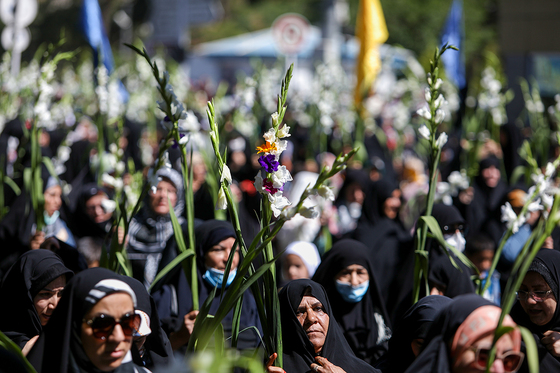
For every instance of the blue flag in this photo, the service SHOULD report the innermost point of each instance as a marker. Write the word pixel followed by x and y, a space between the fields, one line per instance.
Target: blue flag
pixel 453 34
pixel 92 25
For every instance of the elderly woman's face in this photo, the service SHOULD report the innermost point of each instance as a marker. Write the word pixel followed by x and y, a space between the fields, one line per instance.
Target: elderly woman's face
pixel 107 354
pixel 53 199
pixel 158 200
pixel 47 298
pixel 312 315
pixel 474 359
pixel 539 312
pixel 217 256
pixel 354 275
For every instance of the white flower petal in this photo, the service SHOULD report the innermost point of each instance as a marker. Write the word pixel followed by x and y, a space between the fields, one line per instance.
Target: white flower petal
pixel 226 175
pixel 424 131
pixel 442 140
pixel 221 203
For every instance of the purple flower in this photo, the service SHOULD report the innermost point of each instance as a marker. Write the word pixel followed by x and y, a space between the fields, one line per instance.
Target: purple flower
pixel 269 162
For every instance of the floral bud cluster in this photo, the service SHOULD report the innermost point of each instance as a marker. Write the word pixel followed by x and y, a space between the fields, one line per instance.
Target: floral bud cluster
pixel 277 175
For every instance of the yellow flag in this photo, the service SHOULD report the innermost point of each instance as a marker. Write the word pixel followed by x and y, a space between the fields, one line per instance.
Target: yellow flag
pixel 371 30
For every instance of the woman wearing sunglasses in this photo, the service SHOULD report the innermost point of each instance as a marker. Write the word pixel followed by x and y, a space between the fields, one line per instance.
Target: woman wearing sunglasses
pixel 460 339
pixel 537 307
pixel 91 329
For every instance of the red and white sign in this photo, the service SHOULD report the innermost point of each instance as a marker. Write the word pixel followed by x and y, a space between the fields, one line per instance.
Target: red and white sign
pixel 290 32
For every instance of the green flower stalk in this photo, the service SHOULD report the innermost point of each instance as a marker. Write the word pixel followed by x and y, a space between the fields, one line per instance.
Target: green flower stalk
pixel 434 116
pixel 274 203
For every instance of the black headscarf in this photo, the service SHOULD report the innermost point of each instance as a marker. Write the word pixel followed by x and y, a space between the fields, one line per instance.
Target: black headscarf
pixel 157 347
pixel 414 325
pixel 81 223
pixel 365 324
pixel 26 278
pixel 447 216
pixel 209 234
pixel 435 356
pixel 387 242
pixel 547 264
pixel 299 353
pixel 59 344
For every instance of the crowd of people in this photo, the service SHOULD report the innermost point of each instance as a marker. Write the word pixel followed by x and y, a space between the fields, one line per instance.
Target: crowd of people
pixel 345 279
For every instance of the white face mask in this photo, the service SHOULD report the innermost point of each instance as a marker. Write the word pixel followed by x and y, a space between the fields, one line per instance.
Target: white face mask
pixel 456 240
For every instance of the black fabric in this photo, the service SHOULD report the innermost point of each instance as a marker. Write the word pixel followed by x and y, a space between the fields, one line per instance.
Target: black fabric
pixel 551 260
pixel 365 334
pixel 59 347
pixel 158 351
pixel 483 214
pixel 447 216
pixel 388 243
pixel 414 325
pixel 453 281
pixel 173 295
pixel 298 351
pixel 435 355
pixel 30 274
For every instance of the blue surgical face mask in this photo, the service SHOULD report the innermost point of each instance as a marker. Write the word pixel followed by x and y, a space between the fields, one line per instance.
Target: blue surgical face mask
pixel 215 277
pixel 352 294
pixel 49 220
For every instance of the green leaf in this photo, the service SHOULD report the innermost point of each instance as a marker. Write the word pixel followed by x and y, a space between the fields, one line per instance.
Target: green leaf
pixel 532 354
pixel 178 259
pixel 7 344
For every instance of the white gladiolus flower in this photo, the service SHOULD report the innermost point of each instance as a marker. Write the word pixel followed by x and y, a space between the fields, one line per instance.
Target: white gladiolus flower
pixel 221 203
pixel 326 192
pixel 288 213
pixel 280 177
pixel 120 167
pixel 275 119
pixel 457 181
pixel 277 203
pixel 113 148
pixel 535 206
pixel 424 131
pixel 549 170
pixel 442 140
pixel 440 116
pixel 309 212
pixel 511 219
pixel 259 183
pixel 108 179
pixel 439 101
pixel 424 112
pixel 284 131
pixel 185 139
pixel 226 175
pixel 108 205
pixel 281 145
pixel 427 94
pixel 438 84
pixel 270 135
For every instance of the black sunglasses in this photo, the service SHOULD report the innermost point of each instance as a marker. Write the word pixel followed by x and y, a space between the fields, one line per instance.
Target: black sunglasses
pixel 103 325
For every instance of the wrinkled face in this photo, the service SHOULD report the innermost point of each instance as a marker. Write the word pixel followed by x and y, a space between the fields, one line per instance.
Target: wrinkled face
pixel 52 199
pixel 540 313
pixel 47 298
pixel 218 255
pixel 314 320
pixel 95 210
pixel 294 268
pixel 107 355
pixel 158 200
pixel 392 204
pixel 465 363
pixel 491 176
pixel 354 275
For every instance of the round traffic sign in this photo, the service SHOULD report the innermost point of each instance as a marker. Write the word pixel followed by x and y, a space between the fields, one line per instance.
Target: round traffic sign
pixel 16 40
pixel 290 33
pixel 19 12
